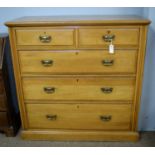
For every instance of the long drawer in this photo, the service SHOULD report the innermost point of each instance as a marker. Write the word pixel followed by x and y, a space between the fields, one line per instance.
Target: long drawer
pixel 101 37
pixel 79 116
pixel 83 61
pixel 78 88
pixel 45 36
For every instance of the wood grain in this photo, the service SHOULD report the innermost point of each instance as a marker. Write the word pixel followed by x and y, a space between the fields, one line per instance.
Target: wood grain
pixel 78 20
pixel 1 84
pixel 94 36
pixel 75 62
pixel 79 116
pixel 16 69
pixel 3 106
pixel 58 36
pixel 80 135
pixel 139 77
pixel 78 89
pixel 3 119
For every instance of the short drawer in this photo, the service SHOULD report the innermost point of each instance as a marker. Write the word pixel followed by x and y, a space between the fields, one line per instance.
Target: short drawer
pixel 101 37
pixel 83 61
pixel 45 37
pixel 2 103
pixel 78 88
pixel 3 119
pixel 79 116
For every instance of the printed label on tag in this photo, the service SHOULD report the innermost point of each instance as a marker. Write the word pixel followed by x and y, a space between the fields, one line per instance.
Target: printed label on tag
pixel 111 48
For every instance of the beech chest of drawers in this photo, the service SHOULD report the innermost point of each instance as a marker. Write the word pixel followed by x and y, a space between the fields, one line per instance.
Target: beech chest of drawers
pixel 71 85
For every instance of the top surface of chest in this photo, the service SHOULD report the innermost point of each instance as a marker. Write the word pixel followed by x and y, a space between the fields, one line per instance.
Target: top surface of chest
pixel 78 20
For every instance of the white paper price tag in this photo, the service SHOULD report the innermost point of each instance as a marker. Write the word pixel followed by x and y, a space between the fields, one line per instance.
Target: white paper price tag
pixel 111 49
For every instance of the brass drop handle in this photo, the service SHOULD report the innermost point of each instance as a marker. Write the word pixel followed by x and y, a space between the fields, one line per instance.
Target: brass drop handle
pixel 107 90
pixel 47 63
pixel 49 90
pixel 106 118
pixel 51 117
pixel 108 38
pixel 45 38
pixel 107 62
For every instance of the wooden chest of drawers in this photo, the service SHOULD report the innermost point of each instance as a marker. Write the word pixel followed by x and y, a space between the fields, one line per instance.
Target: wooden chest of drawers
pixel 9 113
pixel 70 87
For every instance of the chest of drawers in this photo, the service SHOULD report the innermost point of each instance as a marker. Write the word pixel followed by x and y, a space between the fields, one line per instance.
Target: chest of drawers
pixel 9 113
pixel 69 86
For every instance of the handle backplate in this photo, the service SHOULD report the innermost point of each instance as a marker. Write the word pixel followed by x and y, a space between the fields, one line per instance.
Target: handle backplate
pixel 107 90
pixel 49 90
pixel 51 117
pixel 107 62
pixel 108 38
pixel 106 118
pixel 45 38
pixel 47 63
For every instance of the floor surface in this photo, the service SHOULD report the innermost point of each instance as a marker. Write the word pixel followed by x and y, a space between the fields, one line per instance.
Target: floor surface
pixel 147 139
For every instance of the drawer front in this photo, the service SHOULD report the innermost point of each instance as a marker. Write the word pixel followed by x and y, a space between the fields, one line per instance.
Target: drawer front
pixel 79 116
pixel 85 62
pixel 101 37
pixel 3 119
pixel 1 85
pixel 2 103
pixel 44 36
pixel 78 88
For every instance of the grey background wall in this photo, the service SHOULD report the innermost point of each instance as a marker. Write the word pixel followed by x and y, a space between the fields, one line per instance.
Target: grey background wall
pixel 147 110
pixel 11 13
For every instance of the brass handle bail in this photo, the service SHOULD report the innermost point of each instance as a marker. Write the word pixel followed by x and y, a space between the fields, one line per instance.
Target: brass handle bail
pixel 106 118
pixel 45 38
pixel 107 62
pixel 47 63
pixel 108 38
pixel 49 90
pixel 51 117
pixel 107 90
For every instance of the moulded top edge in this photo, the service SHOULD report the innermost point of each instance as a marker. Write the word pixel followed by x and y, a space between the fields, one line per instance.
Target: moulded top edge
pixel 78 20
